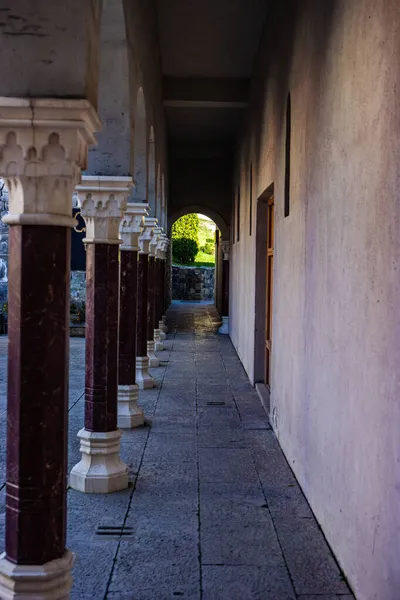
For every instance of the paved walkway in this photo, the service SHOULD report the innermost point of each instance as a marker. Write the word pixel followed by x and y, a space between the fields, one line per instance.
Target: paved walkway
pixel 213 511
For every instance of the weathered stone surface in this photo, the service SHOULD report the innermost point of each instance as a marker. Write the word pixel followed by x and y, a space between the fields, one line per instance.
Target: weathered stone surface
pixel 192 283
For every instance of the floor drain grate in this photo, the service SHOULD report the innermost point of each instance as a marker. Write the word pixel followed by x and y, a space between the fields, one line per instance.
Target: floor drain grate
pixel 114 531
pixel 216 403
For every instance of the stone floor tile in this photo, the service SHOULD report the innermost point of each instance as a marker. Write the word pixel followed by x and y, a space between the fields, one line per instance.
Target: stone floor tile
pixel 311 564
pixel 246 583
pixel 225 465
pixel 326 597
pixel 225 457
pixel 92 576
pixel 151 581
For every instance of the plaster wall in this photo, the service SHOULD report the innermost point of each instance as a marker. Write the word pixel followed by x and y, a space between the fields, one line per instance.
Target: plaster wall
pixel 335 378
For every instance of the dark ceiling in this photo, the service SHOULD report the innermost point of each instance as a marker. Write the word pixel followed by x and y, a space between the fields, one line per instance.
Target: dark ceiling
pixel 208 49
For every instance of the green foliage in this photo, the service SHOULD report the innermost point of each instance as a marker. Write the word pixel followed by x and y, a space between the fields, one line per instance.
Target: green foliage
pixel 208 248
pixel 186 227
pixel 210 240
pixel 184 250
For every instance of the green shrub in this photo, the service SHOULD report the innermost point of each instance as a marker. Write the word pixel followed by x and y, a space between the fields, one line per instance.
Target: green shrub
pixel 186 227
pixel 184 250
pixel 210 240
pixel 208 248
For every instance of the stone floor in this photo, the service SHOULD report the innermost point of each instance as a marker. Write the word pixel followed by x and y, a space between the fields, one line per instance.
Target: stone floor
pixel 213 511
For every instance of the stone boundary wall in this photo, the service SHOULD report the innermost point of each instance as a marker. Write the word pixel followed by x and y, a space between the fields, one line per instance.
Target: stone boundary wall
pixel 192 283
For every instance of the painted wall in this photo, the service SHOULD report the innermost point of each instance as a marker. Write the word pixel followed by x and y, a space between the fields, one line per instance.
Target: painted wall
pixel 336 327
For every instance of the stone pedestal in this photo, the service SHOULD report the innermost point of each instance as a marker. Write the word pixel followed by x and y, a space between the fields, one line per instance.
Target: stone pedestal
pixel 130 414
pixel 143 378
pixel 103 201
pixel 224 329
pixel 100 470
pixel 43 149
pixel 49 581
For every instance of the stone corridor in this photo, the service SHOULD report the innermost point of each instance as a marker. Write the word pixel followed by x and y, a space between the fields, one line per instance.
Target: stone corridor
pixel 213 511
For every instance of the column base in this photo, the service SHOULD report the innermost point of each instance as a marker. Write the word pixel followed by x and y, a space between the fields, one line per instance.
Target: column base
pixel 130 415
pixel 224 329
pixel 101 470
pixel 158 345
pixel 143 378
pixel 163 335
pixel 165 326
pixel 154 361
pixel 51 581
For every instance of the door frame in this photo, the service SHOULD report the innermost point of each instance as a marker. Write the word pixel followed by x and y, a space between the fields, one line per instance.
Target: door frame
pixel 260 301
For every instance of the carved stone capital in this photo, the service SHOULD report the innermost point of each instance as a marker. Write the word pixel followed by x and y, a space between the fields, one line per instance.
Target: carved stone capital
pixel 103 201
pixel 43 148
pixel 132 225
pixel 154 245
pixel 162 246
pixel 226 249
pixel 154 239
pixel 146 239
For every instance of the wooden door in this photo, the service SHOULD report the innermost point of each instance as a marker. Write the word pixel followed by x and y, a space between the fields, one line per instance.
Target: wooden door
pixel 269 291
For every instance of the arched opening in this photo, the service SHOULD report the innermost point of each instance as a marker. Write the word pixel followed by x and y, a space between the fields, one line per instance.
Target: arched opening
pixel 195 239
pixel 140 149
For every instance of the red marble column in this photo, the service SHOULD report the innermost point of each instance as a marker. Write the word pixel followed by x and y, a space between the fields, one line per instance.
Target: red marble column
pixel 151 299
pixel 143 276
pixel 154 361
pixel 128 318
pixel 101 470
pixel 101 377
pixel 36 137
pixel 129 412
pixel 224 329
pixel 225 288
pixel 38 329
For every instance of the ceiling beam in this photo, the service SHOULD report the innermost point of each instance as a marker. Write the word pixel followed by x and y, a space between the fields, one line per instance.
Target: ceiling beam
pixel 205 93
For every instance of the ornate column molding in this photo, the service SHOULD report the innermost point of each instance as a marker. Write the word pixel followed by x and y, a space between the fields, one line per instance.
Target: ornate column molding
pixel 101 470
pixel 43 147
pixel 130 414
pixel 103 202
pixel 226 250
pixel 145 237
pixel 132 225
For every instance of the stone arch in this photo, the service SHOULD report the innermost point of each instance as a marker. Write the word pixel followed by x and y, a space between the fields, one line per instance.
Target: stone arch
pixel 112 155
pixel 140 149
pixel 151 185
pixel 208 212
